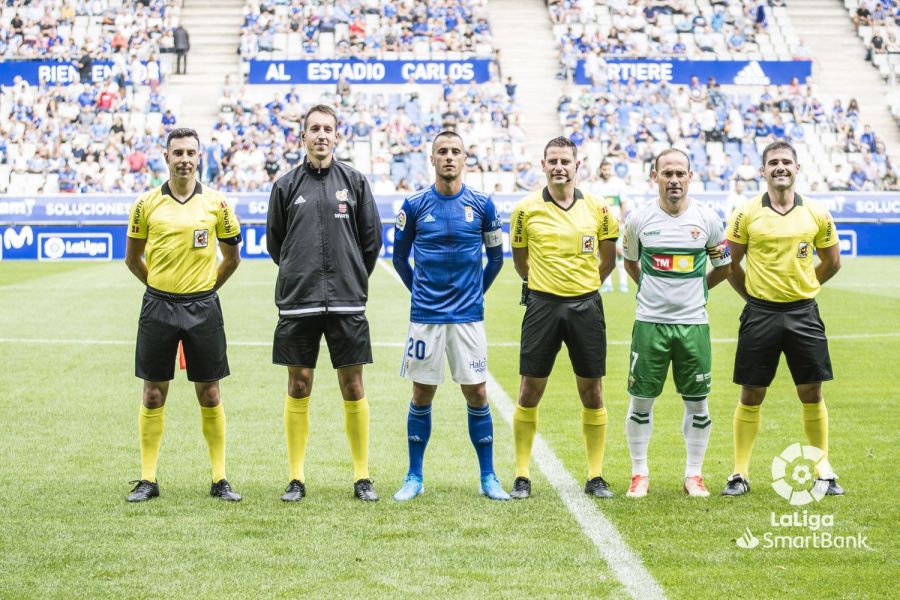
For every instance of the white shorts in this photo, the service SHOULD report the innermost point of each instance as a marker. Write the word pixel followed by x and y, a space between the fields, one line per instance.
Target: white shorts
pixel 464 343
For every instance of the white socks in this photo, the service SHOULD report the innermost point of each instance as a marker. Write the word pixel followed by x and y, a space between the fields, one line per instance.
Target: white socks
pixel 695 426
pixel 638 427
pixel 696 429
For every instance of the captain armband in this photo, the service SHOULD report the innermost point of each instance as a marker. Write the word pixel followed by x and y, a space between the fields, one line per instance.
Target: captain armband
pixel 493 238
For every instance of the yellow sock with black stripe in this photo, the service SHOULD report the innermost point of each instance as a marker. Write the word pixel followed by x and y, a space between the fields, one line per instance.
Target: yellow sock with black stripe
pixel 525 422
pixel 593 426
pixel 356 420
pixel 815 424
pixel 213 419
pixel 296 430
pixel 150 429
pixel 746 426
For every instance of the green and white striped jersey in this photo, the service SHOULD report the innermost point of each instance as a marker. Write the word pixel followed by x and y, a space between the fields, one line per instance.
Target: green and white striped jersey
pixel 672 254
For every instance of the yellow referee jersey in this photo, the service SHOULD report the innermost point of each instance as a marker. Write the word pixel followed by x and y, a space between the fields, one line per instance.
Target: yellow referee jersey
pixel 562 243
pixel 181 247
pixel 780 247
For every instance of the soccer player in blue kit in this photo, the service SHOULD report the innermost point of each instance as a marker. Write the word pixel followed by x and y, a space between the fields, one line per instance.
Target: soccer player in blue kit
pixel 446 226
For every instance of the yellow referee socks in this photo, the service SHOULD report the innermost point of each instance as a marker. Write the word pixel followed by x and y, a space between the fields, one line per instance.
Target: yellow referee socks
pixel 296 430
pixel 213 423
pixel 150 429
pixel 593 426
pixel 525 422
pixel 356 420
pixel 815 424
pixel 746 426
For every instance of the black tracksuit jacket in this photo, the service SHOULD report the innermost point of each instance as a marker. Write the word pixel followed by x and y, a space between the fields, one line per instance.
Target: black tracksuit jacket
pixel 324 233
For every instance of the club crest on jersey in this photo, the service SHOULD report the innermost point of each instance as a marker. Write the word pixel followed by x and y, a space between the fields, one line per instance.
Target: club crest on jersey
pixel 587 244
pixel 695 233
pixel 201 238
pixel 470 214
pixel 803 250
pixel 341 195
pixel 401 220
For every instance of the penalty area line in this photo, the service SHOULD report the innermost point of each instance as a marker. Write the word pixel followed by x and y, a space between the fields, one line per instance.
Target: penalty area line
pixel 625 565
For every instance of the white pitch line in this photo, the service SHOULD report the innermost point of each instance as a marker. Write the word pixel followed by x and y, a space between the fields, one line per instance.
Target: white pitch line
pixel 625 565
pixel 250 344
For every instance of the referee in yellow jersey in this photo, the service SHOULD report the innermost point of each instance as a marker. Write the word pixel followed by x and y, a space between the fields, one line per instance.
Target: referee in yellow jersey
pixel 175 227
pixel 779 232
pixel 557 234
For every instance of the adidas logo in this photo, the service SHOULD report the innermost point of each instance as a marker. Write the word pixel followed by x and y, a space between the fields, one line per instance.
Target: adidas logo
pixel 752 74
pixel 429 219
pixel 300 199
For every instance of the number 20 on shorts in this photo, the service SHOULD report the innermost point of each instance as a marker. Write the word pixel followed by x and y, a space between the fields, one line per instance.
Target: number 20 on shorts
pixel 415 348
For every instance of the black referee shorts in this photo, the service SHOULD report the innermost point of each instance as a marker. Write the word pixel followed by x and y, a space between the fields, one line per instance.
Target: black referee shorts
pixel 770 328
pixel 551 320
pixel 297 340
pixel 193 319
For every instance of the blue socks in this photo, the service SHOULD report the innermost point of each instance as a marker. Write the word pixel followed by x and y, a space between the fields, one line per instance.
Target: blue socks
pixel 418 430
pixel 481 432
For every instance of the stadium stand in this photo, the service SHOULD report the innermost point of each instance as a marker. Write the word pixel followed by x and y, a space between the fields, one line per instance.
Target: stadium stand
pixel 81 138
pixel 685 29
pixel 723 128
pixel 101 136
pixel 383 133
pixel 317 29
pixel 106 29
pixel 878 25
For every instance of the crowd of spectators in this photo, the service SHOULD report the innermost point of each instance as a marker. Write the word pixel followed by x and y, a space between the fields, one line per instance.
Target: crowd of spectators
pixel 106 136
pixel 877 23
pixel 592 30
pixel 92 137
pixel 102 29
pixel 724 132
pixel 364 29
pixel 101 137
pixel 255 140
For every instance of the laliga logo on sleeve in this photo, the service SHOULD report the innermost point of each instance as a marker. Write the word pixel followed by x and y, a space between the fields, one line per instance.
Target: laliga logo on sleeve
pixel 793 474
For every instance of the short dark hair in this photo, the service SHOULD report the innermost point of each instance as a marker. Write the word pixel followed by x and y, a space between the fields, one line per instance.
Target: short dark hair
pixel 320 108
pixel 182 132
pixel 447 133
pixel 561 142
pixel 779 145
pixel 671 151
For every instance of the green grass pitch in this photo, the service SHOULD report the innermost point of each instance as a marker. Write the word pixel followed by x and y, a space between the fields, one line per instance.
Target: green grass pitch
pixel 68 447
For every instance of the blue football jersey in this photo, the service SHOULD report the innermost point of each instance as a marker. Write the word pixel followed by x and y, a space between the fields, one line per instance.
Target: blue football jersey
pixel 447 234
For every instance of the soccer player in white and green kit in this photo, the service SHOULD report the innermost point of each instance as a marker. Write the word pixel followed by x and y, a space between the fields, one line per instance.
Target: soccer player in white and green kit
pixel 666 245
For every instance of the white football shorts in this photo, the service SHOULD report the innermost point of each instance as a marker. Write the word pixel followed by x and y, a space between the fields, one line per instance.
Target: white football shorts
pixel 465 345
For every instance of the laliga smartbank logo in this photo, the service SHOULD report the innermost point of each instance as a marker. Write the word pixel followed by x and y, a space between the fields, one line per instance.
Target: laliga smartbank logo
pixel 793 478
pixel 793 475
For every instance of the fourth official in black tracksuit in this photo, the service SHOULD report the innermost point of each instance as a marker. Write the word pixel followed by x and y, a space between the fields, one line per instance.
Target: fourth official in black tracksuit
pixel 324 234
